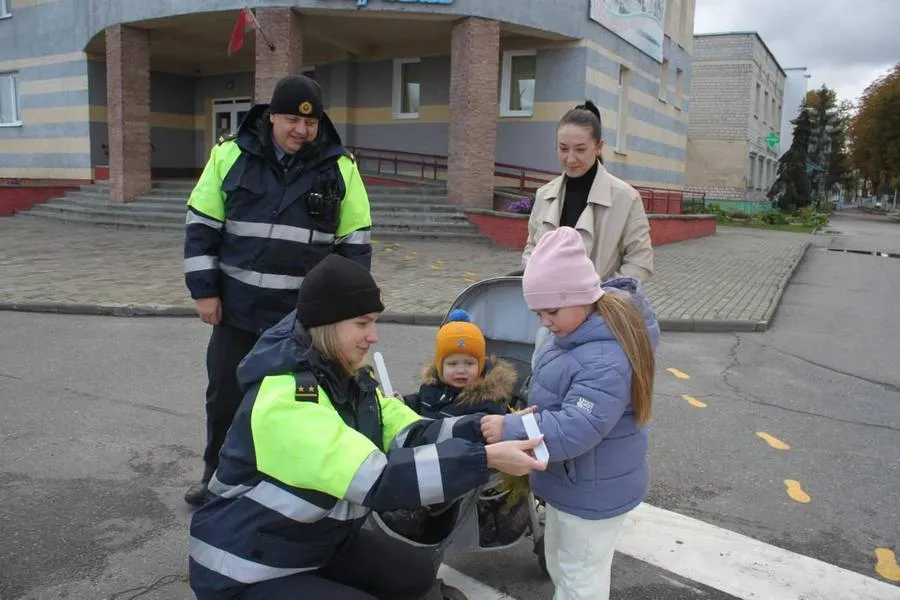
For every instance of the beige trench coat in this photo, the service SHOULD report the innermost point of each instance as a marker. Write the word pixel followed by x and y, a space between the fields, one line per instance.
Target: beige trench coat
pixel 614 227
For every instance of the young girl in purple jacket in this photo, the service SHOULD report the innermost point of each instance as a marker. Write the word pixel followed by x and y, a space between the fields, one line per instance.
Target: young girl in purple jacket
pixel 592 386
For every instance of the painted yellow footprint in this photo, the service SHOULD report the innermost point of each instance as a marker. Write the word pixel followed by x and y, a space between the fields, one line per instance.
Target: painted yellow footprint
pixel 678 374
pixel 886 565
pixel 796 492
pixel 773 441
pixel 694 402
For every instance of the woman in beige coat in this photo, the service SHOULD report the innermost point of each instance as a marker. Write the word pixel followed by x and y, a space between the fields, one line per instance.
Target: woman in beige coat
pixel 606 211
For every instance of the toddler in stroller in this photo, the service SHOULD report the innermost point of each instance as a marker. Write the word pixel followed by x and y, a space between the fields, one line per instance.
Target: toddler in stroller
pixel 463 380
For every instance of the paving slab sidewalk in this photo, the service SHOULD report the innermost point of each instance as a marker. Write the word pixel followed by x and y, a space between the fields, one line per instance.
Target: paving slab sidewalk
pixel 731 281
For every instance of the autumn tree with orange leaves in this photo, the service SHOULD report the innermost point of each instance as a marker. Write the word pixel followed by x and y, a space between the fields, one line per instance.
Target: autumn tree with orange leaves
pixel 875 133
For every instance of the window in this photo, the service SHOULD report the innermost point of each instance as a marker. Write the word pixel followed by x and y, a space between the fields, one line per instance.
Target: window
pixel 622 110
pixel 406 88
pixel 757 99
pixel 9 100
pixel 518 79
pixel 664 81
pixel 774 114
pixel 679 87
pixel 761 172
pixel 4 9
pixel 751 175
pixel 765 108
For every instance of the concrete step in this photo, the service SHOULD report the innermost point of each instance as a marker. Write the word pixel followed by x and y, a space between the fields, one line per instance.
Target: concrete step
pixel 380 232
pixel 375 195
pixel 52 208
pixel 88 202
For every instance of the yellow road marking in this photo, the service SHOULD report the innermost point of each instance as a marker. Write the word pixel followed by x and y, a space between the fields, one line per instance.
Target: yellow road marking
pixel 887 564
pixel 796 492
pixel 468 280
pixel 387 249
pixel 694 402
pixel 678 374
pixel 773 441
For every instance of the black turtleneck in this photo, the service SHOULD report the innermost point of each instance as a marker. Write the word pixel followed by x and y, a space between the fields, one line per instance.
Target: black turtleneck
pixel 577 191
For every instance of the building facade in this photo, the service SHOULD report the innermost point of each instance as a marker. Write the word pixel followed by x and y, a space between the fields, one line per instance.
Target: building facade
pixel 142 90
pixel 737 101
pixel 796 84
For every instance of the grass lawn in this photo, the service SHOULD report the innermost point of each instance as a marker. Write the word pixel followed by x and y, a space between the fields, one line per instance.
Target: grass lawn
pixel 748 225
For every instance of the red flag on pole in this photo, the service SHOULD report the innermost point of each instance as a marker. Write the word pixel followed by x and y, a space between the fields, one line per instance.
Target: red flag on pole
pixel 245 22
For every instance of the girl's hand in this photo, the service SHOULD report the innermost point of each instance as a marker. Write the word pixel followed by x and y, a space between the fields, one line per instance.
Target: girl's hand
pixel 514 457
pixel 492 428
pixel 399 396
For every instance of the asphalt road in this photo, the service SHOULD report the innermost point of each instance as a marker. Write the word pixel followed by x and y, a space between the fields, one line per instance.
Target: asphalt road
pixel 101 431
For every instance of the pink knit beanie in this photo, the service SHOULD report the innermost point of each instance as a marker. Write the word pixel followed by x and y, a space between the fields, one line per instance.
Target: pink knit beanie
pixel 559 273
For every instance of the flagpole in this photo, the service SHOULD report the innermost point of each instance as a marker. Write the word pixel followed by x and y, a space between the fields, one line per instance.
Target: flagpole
pixel 260 29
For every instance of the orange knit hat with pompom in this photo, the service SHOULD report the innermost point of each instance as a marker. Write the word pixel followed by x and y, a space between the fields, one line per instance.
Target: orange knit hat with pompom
pixel 459 336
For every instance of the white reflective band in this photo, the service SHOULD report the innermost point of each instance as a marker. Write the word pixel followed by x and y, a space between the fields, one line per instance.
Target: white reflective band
pixel 276 232
pixel 193 218
pixel 428 472
pixel 224 490
pixel 263 280
pixel 320 237
pixel 400 438
pixel 447 429
pixel 237 568
pixel 200 263
pixel 357 237
pixel 365 477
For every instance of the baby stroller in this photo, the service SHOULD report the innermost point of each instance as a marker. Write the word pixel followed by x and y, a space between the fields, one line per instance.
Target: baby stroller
pixel 483 520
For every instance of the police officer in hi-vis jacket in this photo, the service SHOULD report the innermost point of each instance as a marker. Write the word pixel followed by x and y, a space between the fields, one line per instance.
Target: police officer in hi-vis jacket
pixel 316 446
pixel 273 201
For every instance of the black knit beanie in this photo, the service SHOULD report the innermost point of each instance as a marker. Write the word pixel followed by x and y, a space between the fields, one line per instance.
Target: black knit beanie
pixel 337 289
pixel 297 95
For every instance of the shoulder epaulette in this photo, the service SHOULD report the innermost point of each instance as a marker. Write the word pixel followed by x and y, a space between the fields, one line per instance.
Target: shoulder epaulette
pixel 307 387
pixel 225 138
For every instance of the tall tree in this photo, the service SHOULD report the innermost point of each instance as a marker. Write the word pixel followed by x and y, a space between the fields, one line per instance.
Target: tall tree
pixel 875 133
pixel 791 189
pixel 828 163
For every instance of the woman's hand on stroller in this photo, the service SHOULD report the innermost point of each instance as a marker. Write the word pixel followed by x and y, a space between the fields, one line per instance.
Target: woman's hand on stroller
pixel 514 457
pixel 492 425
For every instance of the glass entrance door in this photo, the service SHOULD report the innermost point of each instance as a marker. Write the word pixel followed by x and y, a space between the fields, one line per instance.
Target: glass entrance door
pixel 228 113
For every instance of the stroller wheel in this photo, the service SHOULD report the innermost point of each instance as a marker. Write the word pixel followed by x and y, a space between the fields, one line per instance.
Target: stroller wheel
pixel 541 557
pixel 451 593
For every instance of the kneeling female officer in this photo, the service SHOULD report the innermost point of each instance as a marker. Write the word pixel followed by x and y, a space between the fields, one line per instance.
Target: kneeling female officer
pixel 314 447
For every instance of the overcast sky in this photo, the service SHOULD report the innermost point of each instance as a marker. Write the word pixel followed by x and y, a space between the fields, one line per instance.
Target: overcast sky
pixel 844 44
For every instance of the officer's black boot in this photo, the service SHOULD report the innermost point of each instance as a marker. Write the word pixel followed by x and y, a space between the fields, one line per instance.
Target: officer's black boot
pixel 196 494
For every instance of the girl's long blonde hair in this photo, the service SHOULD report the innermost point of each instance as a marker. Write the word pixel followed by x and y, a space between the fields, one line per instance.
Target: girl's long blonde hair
pixel 627 324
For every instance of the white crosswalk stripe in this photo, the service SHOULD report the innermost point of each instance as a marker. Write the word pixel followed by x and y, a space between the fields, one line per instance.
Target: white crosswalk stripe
pixel 720 559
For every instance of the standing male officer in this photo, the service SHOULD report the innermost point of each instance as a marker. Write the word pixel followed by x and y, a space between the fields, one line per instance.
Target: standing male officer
pixel 271 203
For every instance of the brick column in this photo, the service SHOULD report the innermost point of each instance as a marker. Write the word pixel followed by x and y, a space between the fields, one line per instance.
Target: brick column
pixel 474 73
pixel 284 28
pixel 128 111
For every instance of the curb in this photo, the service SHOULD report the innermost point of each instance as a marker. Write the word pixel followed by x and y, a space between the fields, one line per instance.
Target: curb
pixel 394 318
pixel 779 293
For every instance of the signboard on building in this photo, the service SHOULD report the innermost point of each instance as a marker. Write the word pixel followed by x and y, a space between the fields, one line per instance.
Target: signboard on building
pixel 772 141
pixel 362 3
pixel 638 22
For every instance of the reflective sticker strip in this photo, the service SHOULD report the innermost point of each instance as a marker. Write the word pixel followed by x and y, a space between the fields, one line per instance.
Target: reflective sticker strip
pixel 276 232
pixel 225 490
pixel 447 426
pixel 200 263
pixel 400 438
pixel 428 472
pixel 193 218
pixel 363 236
pixel 365 477
pixel 263 280
pixel 237 568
